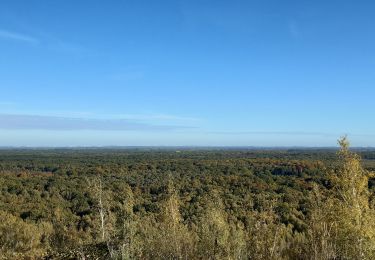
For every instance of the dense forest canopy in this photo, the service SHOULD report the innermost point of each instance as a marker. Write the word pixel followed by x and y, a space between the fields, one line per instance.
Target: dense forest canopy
pixel 148 203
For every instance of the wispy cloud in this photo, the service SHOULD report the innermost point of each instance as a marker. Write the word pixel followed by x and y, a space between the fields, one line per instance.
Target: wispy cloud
pixel 8 35
pixel 148 117
pixel 289 133
pixel 67 47
pixel 293 133
pixel 156 117
pixel 47 41
pixel 127 76
pixel 25 122
pixel 293 29
pixel 7 103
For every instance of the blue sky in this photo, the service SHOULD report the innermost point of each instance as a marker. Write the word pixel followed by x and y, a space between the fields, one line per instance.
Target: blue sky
pixel 237 73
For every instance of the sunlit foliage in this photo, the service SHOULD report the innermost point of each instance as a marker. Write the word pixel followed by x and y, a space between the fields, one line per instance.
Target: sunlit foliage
pixel 214 204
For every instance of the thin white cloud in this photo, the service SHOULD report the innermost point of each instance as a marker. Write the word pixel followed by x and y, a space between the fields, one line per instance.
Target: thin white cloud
pixel 7 103
pixel 46 41
pixel 293 29
pixel 156 117
pixel 287 133
pixel 66 47
pixel 128 76
pixel 38 122
pixel 139 117
pixel 8 35
pixel 293 133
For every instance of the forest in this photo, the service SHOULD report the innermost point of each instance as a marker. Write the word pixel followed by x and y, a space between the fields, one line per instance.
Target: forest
pixel 172 203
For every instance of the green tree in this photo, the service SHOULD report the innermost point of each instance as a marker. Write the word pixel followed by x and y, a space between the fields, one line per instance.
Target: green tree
pixel 267 236
pixel 168 237
pixel 22 240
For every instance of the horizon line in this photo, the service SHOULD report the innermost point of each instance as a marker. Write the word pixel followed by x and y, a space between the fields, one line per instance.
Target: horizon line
pixel 181 146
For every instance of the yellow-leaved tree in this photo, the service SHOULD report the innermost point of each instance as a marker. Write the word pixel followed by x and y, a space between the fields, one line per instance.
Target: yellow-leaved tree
pixel 342 224
pixel 356 220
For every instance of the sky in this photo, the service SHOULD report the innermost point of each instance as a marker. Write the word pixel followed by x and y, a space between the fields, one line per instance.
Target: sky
pixel 186 73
